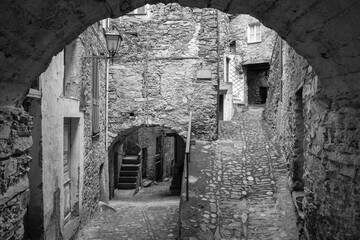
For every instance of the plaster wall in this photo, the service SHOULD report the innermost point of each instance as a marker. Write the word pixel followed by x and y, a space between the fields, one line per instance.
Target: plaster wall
pixel 88 165
pixel 54 109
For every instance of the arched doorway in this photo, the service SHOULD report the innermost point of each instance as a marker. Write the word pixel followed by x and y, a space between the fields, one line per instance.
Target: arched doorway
pixel 142 155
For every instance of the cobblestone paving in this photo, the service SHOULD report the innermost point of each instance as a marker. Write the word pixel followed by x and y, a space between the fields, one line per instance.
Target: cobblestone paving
pixel 245 184
pixel 151 214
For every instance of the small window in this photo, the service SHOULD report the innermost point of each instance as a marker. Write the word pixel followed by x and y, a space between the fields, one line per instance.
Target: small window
pixel 139 11
pixel 254 33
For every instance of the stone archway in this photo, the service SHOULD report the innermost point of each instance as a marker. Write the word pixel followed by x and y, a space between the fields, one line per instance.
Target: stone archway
pixel 143 140
pixel 324 32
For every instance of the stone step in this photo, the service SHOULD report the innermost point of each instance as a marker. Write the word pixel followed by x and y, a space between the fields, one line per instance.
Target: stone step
pixel 128 179
pixel 128 173
pixel 126 185
pixel 130 159
pixel 129 167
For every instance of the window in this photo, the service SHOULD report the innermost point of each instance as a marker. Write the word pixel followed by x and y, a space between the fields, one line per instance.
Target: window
pixel 139 11
pixel 70 71
pixel 254 33
pixel 71 160
pixel 66 167
pixel 95 90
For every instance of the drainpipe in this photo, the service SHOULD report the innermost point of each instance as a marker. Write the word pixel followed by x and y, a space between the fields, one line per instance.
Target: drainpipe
pixel 218 73
pixel 106 103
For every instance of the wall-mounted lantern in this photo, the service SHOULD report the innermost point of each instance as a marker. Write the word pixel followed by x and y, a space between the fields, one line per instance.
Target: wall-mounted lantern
pixel 113 41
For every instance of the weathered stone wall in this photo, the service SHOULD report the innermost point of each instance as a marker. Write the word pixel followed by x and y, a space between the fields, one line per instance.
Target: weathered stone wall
pixel 15 142
pixel 330 145
pixel 161 63
pixel 147 139
pixel 274 99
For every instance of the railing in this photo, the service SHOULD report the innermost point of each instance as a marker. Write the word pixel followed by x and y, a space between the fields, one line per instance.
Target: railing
pixel 187 157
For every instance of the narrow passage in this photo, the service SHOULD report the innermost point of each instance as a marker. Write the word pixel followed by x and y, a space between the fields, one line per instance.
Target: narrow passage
pixel 239 185
pixel 152 214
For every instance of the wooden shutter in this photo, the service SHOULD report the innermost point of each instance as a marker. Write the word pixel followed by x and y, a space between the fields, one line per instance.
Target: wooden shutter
pixel 95 98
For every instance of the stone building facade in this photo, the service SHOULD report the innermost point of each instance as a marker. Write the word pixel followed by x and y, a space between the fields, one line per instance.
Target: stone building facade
pixel 248 58
pixel 157 80
pixel 68 152
pixel 319 131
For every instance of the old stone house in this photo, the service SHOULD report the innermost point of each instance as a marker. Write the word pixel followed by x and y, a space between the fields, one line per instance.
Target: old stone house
pixel 169 65
pixel 248 61
pixel 68 152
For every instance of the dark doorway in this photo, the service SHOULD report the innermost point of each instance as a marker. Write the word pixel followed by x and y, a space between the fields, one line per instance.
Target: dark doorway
pixel 299 160
pixel 158 160
pixel 221 107
pixel 263 95
pixel 144 161
pixel 257 76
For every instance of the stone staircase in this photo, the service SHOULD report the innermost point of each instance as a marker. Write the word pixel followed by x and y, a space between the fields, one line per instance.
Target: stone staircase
pixel 129 172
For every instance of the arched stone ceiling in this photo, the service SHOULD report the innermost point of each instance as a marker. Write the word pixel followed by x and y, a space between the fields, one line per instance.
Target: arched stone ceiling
pixel 325 32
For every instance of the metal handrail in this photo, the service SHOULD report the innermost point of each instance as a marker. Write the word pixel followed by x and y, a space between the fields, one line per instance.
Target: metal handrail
pixel 187 156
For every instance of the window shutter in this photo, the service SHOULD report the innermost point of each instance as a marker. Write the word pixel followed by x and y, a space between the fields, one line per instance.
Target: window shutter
pixel 95 98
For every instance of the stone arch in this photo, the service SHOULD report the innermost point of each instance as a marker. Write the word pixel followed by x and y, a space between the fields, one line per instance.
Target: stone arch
pixel 324 32
pixel 113 154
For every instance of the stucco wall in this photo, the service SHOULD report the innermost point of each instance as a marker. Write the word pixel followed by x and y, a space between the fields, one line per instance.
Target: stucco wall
pixel 88 151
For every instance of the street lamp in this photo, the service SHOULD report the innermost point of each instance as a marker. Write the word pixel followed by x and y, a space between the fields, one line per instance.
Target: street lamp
pixel 113 41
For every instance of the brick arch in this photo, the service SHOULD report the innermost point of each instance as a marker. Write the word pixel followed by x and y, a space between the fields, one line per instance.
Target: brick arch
pixel 324 32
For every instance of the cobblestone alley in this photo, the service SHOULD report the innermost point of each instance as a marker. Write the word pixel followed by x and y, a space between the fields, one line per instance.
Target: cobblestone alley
pixel 238 185
pixel 237 191
pixel 151 214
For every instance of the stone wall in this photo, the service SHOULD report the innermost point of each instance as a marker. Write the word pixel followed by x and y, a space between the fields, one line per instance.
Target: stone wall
pixel 324 161
pixel 15 142
pixel 155 79
pixel 92 43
